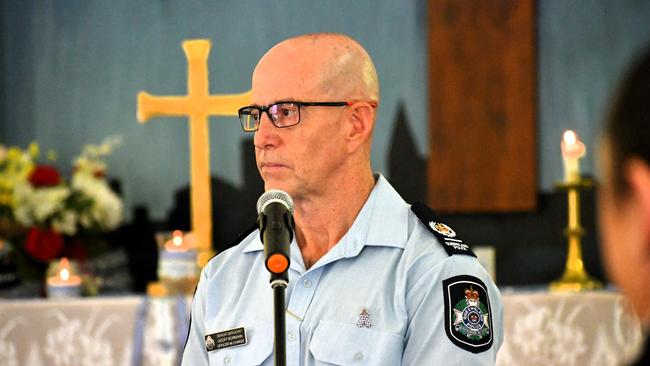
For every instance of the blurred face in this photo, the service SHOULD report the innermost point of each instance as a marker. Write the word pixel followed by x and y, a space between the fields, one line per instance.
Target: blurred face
pixel 297 159
pixel 622 234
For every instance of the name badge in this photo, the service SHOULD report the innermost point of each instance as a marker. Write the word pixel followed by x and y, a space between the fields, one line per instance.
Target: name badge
pixel 227 338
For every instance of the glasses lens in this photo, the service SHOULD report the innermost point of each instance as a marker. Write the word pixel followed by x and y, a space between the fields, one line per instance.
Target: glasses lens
pixel 285 114
pixel 249 118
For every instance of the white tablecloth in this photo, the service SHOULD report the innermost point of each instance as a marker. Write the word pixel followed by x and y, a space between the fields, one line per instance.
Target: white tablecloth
pixel 541 328
pixel 544 328
pixel 93 331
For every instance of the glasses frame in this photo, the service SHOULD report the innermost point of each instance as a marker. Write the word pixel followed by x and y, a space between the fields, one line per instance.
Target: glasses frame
pixel 265 109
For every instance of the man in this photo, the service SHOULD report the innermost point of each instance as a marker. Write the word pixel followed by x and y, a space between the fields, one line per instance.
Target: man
pixel 624 196
pixel 370 282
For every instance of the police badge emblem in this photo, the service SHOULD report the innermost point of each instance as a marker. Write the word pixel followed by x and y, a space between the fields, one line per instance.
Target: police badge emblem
pixel 209 344
pixel 443 229
pixel 445 235
pixel 468 317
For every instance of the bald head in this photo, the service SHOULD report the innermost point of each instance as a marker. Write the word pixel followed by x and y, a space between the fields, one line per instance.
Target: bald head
pixel 327 65
pixel 330 145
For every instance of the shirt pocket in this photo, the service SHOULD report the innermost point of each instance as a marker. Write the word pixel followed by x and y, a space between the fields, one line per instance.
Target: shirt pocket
pixel 258 348
pixel 345 344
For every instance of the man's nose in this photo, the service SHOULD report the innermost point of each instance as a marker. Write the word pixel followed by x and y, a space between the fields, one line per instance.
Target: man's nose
pixel 266 135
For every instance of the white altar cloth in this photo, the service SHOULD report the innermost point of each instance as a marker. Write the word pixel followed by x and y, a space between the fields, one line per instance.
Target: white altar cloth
pixel 546 328
pixel 100 331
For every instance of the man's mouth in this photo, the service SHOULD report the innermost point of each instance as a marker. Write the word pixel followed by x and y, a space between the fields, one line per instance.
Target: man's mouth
pixel 272 166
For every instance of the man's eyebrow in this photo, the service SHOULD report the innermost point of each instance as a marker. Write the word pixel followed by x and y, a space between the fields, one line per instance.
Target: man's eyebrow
pixel 276 102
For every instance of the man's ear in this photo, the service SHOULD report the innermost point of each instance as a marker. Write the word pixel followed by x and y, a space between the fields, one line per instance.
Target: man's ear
pixel 637 173
pixel 361 119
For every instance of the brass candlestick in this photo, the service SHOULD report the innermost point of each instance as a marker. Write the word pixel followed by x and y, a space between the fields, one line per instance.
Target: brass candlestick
pixel 575 277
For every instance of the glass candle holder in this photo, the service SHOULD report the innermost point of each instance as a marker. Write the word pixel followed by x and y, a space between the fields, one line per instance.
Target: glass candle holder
pixel 177 261
pixel 62 279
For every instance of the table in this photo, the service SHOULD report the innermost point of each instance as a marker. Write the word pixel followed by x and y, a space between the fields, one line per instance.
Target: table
pixel 546 328
pixel 541 328
pixel 100 331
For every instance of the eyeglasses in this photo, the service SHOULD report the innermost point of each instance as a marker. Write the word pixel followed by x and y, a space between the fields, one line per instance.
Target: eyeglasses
pixel 282 114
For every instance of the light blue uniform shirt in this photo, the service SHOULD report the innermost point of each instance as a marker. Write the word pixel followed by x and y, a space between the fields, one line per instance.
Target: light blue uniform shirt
pixel 376 298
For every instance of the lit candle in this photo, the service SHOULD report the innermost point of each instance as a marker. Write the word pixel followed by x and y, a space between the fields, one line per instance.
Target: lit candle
pixel 177 255
pixel 64 282
pixel 572 150
pixel 179 242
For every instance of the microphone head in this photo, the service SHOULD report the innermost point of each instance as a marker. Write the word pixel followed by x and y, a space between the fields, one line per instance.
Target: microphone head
pixel 274 195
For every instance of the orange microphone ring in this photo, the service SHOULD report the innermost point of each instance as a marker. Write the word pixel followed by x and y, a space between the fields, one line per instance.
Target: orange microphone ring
pixel 277 263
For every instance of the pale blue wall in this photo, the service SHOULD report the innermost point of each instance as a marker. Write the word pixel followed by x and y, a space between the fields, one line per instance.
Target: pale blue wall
pixel 584 46
pixel 72 69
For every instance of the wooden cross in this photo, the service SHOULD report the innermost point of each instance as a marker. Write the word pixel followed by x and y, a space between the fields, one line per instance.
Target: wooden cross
pixel 198 105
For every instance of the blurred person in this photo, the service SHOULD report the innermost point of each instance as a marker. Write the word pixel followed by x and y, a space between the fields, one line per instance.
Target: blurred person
pixel 624 195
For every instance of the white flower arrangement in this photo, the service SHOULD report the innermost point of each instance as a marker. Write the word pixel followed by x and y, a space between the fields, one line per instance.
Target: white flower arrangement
pixel 34 206
pixel 105 212
pixel 87 202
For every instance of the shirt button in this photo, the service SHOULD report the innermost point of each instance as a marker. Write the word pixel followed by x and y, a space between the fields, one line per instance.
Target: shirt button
pixel 291 336
pixel 306 282
pixel 358 356
pixel 227 360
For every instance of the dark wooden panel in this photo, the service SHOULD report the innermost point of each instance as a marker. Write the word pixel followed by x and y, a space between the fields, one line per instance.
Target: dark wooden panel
pixel 482 106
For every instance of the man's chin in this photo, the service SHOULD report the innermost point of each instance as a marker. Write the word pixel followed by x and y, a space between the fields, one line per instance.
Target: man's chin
pixel 282 185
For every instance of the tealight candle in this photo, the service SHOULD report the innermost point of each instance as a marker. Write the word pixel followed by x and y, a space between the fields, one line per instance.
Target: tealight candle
pixel 177 256
pixel 64 282
pixel 572 150
pixel 178 242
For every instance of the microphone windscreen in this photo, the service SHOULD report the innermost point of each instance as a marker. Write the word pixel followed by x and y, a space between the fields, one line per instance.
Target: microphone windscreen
pixel 274 195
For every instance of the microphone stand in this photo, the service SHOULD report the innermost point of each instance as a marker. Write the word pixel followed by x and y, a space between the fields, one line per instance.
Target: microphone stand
pixel 279 284
pixel 276 230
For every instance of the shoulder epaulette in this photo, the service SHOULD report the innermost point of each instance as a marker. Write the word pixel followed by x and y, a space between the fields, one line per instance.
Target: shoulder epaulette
pixel 445 235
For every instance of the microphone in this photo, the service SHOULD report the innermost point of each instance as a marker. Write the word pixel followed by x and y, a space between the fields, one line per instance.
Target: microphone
pixel 275 221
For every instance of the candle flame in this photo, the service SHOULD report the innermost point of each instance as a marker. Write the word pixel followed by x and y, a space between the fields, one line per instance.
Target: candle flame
pixel 64 269
pixel 65 274
pixel 569 137
pixel 179 242
pixel 571 145
pixel 177 239
pixel 572 150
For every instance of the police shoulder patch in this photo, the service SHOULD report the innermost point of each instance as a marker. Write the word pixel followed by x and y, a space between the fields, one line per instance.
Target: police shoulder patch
pixel 468 315
pixel 446 235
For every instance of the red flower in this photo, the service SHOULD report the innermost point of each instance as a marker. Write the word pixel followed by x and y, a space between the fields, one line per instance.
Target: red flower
pixel 43 244
pixel 44 176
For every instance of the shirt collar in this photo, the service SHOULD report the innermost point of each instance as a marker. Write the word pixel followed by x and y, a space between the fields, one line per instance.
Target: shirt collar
pixel 255 244
pixel 389 226
pixel 382 221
